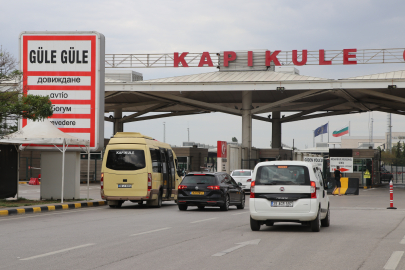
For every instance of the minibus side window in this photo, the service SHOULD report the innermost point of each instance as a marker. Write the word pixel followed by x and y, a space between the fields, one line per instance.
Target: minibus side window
pixel 156 161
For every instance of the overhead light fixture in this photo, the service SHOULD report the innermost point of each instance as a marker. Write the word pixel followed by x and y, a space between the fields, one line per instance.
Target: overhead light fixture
pixel 280 88
pixel 392 86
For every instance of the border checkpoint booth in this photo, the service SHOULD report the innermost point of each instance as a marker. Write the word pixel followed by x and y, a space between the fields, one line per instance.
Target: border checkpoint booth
pixel 52 163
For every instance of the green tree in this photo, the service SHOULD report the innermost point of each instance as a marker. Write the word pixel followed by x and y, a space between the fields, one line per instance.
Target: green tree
pixel 13 103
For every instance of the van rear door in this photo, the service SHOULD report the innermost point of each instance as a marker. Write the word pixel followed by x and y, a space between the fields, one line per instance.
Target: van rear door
pixel 283 189
pixel 126 172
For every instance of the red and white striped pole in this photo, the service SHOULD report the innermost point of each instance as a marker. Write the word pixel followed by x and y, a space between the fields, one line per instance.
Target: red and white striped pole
pixel 391 196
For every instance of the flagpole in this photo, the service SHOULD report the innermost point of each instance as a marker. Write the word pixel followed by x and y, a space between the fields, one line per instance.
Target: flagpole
pixel 313 139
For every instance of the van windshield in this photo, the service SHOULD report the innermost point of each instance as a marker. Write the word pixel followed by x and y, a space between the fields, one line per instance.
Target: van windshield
pixel 282 175
pixel 126 160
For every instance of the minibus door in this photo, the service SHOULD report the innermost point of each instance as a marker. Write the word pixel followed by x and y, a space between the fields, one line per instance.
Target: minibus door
pixel 165 169
pixel 172 173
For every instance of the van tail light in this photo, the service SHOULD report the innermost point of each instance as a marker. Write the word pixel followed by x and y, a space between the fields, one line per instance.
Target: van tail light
pixel 182 187
pixel 102 181
pixel 249 180
pixel 313 190
pixel 214 187
pixel 252 189
pixel 149 181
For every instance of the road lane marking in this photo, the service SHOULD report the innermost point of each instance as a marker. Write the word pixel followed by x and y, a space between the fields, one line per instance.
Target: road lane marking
pixel 55 252
pixel 202 220
pixel 402 241
pixel 244 212
pixel 393 261
pixel 151 231
pixel 239 245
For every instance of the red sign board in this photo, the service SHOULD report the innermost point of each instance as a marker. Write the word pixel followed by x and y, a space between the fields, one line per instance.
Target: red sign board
pixel 66 67
pixel 221 149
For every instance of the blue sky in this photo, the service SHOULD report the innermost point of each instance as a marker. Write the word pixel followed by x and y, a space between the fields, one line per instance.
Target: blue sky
pixel 196 26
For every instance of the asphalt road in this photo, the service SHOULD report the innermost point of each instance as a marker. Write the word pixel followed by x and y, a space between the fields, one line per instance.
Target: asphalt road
pixel 363 235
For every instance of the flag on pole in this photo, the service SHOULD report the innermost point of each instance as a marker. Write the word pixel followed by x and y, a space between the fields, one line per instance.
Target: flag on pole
pixel 341 132
pixel 321 130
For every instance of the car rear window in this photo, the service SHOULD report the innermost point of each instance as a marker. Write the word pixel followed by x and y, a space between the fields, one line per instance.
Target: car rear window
pixel 199 179
pixel 126 160
pixel 241 173
pixel 282 175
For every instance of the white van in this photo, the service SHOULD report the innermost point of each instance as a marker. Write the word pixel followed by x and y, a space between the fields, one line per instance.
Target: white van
pixel 288 191
pixel 139 169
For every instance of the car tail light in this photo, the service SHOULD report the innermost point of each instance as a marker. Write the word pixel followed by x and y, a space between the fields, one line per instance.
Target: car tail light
pixel 313 190
pixel 214 187
pixel 149 181
pixel 252 189
pixel 102 181
pixel 249 180
pixel 182 187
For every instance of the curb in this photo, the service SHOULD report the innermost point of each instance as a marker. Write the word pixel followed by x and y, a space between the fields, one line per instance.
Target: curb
pixel 47 208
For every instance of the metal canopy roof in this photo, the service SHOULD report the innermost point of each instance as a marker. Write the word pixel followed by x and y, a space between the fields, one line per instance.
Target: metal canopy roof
pixel 310 97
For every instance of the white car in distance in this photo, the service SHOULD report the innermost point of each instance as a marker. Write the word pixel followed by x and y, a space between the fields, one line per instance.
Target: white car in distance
pixel 288 191
pixel 244 177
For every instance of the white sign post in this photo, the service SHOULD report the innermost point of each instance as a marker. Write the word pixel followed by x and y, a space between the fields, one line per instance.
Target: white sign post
pixel 69 68
pixel 345 164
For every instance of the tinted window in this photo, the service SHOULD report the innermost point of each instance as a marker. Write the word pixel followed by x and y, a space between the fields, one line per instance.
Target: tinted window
pixel 282 175
pixel 126 160
pixel 199 179
pixel 241 173
pixel 156 161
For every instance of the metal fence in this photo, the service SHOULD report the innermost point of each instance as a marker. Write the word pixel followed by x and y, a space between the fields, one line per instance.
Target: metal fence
pixel 397 173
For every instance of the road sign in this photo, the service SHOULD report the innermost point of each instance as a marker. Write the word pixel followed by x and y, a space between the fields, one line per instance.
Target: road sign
pixel 69 68
pixel 345 164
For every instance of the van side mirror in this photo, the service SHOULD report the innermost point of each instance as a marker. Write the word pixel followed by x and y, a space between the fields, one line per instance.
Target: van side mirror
pixel 239 183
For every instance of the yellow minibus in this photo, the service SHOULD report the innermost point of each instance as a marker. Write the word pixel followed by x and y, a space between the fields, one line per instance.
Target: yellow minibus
pixel 139 169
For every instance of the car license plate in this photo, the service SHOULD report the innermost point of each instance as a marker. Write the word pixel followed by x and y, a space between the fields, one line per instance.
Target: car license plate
pixel 197 192
pixel 282 204
pixel 125 185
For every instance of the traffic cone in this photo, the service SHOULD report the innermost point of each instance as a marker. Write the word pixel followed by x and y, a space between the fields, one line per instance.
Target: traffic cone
pixel 391 196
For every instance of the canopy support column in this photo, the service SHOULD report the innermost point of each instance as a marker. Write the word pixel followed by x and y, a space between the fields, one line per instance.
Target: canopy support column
pixel 276 131
pixel 246 128
pixel 118 125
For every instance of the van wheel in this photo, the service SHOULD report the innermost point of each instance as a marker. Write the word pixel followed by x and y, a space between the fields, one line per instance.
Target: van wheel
pixel 140 202
pixel 316 223
pixel 254 224
pixel 159 200
pixel 225 207
pixel 182 207
pixel 326 221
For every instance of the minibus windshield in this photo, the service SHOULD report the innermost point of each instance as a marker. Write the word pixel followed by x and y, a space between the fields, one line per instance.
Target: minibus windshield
pixel 126 160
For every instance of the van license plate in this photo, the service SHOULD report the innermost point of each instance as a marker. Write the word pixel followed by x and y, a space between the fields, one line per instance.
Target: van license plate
pixel 282 204
pixel 197 192
pixel 124 186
